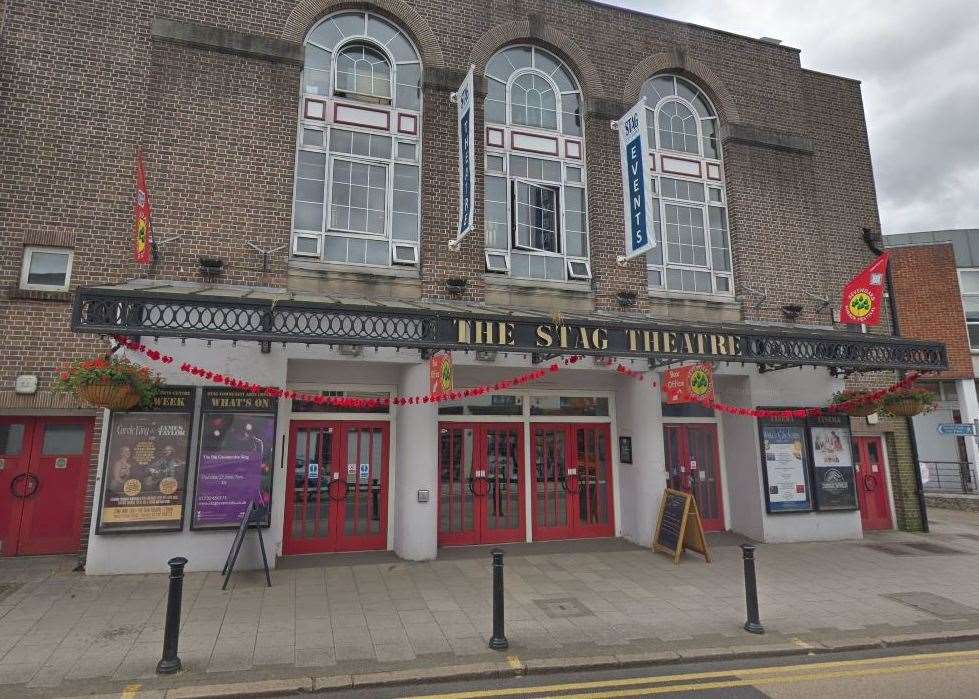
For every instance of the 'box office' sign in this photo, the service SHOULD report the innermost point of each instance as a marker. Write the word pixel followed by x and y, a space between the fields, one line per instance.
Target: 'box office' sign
pixel 807 464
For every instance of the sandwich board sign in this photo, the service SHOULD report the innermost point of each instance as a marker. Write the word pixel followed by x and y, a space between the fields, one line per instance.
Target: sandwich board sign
pixel 679 527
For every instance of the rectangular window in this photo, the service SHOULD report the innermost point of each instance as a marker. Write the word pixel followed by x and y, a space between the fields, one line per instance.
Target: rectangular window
pixel 686 242
pixel 588 406
pixel 404 217
pixel 535 217
pixel 496 213
pixel 969 286
pixel 358 197
pixel 46 269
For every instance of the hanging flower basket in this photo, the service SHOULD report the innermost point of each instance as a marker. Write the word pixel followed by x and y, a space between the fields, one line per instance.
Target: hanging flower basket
pixel 116 384
pixel 862 409
pixel 111 396
pixel 907 402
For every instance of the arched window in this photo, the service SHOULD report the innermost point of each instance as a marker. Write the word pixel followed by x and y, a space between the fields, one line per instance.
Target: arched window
pixel 357 177
pixel 535 199
pixel 690 205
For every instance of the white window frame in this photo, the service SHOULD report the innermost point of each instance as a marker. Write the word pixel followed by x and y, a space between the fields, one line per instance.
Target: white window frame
pixel 327 126
pixel 29 251
pixel 560 185
pixel 661 202
pixel 962 271
pixel 556 190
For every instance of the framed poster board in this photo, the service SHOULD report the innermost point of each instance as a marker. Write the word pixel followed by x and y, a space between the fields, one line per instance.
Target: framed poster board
pixel 785 466
pixel 144 478
pixel 625 449
pixel 235 460
pixel 832 462
pixel 678 526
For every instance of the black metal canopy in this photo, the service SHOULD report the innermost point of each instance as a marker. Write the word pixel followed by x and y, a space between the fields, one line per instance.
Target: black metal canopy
pixel 186 310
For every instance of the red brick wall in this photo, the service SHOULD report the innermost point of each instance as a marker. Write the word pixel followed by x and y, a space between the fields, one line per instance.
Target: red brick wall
pixel 929 304
pixel 83 84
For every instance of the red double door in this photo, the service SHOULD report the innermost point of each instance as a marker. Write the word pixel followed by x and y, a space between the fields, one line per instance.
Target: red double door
pixel 571 465
pixel 871 483
pixel 481 473
pixel 44 468
pixel 693 466
pixel 338 486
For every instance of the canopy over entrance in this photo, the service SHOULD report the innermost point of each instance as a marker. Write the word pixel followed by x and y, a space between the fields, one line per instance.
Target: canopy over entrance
pixel 264 314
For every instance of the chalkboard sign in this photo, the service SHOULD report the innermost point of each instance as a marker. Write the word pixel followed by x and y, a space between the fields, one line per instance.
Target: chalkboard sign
pixel 251 519
pixel 679 526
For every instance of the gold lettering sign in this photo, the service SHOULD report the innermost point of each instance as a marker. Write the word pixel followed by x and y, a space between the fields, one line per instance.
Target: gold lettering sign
pixel 589 338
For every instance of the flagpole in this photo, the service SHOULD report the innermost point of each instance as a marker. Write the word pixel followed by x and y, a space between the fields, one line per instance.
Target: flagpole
pixel 870 241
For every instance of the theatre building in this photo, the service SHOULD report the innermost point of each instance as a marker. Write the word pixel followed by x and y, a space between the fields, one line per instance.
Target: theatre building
pixel 303 165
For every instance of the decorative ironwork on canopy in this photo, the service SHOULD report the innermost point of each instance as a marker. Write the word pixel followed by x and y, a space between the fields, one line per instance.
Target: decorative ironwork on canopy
pixel 171 309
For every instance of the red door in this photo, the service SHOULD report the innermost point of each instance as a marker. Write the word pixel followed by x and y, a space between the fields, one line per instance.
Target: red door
pixel 875 510
pixel 480 476
pixel 693 465
pixel 572 481
pixel 44 467
pixel 338 476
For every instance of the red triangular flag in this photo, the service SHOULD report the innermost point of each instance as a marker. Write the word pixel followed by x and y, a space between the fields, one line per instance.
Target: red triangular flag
pixel 863 297
pixel 142 230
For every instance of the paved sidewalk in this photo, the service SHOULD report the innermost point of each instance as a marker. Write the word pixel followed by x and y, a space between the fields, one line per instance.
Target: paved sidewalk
pixel 66 634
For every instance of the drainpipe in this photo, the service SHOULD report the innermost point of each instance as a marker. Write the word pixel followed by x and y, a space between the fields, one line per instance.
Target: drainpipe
pixel 871 242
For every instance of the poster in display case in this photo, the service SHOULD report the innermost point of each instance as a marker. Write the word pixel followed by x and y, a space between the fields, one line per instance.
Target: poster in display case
pixel 144 479
pixel 236 458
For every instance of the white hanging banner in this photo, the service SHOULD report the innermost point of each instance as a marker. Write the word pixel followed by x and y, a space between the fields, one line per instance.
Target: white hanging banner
pixel 637 186
pixel 466 122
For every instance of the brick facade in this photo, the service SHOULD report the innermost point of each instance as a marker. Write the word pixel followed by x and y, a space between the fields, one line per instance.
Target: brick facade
pixel 929 303
pixel 83 85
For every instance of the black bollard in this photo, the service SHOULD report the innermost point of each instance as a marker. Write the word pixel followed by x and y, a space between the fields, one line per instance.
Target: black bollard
pixel 498 642
pixel 170 663
pixel 753 624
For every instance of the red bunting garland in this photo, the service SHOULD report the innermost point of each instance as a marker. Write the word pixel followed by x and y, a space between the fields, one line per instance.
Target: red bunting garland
pixel 536 375
pixel 343 401
pixel 795 413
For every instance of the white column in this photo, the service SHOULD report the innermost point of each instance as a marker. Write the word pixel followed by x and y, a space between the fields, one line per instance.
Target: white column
pixel 969 409
pixel 415 524
pixel 639 415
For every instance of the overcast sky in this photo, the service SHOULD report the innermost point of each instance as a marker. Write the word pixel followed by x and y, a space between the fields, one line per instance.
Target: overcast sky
pixel 918 61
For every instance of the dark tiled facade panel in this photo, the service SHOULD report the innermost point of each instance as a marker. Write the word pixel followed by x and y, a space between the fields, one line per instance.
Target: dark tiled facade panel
pixel 83 84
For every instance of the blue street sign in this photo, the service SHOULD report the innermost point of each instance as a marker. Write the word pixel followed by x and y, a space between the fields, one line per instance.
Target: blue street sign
pixel 956 429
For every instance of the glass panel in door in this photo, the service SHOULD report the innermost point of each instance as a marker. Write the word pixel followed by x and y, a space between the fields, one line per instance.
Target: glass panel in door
pixel 311 469
pixel 549 453
pixel 456 500
pixel 502 465
pixel 364 474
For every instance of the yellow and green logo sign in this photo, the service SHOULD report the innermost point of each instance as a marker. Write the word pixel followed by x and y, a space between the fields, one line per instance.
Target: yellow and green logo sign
pixel 860 305
pixel 699 382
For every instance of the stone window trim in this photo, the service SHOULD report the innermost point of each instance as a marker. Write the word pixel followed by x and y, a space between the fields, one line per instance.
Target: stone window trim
pixel 694 254
pixel 534 110
pixel 357 192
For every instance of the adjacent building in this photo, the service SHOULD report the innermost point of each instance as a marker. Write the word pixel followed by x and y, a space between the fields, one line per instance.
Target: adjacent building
pixel 302 161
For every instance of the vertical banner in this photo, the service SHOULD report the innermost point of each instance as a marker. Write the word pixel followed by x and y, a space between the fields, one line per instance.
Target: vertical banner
pixel 142 226
pixel 689 383
pixel 637 189
pixel 440 373
pixel 145 476
pixel 466 123
pixel 863 297
pixel 234 466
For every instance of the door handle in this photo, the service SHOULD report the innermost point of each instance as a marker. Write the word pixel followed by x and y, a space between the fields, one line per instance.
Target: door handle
pixel 869 483
pixel 30 485
pixel 336 492
pixel 479 486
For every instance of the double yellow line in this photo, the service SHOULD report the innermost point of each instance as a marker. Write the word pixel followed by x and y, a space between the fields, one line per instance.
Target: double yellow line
pixel 720 679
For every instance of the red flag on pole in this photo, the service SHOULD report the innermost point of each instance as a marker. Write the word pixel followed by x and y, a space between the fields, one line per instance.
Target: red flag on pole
pixel 863 297
pixel 142 228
